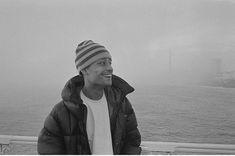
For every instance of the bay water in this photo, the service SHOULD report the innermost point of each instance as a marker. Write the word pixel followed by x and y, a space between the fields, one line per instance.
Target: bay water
pixel 168 113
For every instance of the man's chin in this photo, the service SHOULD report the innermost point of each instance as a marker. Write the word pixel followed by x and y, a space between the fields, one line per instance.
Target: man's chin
pixel 109 83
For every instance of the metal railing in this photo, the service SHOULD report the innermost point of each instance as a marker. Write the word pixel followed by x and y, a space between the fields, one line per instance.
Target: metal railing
pixel 185 148
pixel 149 147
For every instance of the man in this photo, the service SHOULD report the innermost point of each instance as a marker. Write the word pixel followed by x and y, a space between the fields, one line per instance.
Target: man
pixel 94 116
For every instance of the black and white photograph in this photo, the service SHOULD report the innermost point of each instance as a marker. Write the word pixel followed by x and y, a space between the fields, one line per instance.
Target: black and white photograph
pixel 117 77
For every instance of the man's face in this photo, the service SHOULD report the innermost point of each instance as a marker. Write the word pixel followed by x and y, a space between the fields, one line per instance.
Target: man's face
pixel 100 72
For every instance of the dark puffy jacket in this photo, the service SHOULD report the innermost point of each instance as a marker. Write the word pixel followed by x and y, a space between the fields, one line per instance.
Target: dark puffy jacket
pixel 64 130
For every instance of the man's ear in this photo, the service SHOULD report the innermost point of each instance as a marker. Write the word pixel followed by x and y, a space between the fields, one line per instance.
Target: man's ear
pixel 84 72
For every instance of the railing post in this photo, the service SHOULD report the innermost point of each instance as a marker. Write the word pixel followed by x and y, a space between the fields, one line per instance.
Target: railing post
pixel 4 145
pixel 4 148
pixel 1 152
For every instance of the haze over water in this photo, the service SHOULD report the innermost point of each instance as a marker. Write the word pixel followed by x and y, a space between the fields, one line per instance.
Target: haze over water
pixel 38 39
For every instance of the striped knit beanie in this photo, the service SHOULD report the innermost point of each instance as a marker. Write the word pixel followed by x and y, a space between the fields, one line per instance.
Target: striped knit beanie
pixel 88 52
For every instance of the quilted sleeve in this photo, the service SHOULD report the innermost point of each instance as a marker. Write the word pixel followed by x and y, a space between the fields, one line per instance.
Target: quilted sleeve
pixel 50 139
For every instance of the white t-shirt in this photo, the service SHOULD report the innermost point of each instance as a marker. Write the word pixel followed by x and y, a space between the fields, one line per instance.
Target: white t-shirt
pixel 98 125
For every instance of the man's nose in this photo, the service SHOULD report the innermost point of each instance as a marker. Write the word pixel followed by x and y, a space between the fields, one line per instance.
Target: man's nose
pixel 109 67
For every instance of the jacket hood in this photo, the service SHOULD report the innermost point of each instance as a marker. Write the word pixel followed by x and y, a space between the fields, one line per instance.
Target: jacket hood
pixel 75 84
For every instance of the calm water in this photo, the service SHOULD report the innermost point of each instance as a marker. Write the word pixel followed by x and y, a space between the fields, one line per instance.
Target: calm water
pixel 165 113
pixel 186 114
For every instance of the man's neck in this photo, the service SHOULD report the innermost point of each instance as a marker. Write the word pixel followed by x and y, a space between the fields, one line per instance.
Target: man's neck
pixel 92 92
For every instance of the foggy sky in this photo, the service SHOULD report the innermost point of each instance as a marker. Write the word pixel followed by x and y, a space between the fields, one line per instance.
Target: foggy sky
pixel 38 38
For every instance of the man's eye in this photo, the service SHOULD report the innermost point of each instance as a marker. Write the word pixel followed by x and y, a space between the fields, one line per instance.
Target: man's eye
pixel 101 63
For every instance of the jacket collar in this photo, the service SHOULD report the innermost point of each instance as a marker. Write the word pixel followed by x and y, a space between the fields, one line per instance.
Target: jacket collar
pixel 75 84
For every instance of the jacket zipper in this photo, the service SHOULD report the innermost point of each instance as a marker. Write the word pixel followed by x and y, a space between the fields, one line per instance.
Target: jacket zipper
pixel 84 125
pixel 70 130
pixel 112 117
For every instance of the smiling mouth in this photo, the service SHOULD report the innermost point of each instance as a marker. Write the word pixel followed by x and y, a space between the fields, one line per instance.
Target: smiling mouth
pixel 109 76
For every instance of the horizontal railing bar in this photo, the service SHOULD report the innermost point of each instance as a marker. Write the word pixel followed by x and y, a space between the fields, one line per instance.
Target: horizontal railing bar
pixel 146 145
pixel 15 137
pixel 188 147
pixel 23 142
pixel 204 151
pixel 191 145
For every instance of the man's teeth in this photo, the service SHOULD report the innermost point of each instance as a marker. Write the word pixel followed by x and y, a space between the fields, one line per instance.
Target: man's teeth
pixel 107 75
